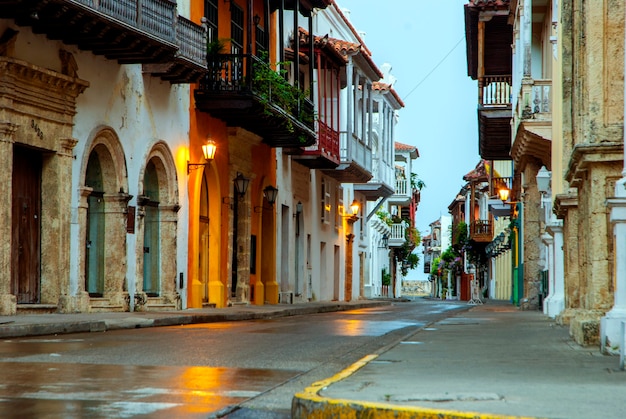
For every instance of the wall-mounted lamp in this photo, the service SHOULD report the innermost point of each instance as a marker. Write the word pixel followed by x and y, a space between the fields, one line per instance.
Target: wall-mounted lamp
pixel 299 208
pixel 256 20
pixel 354 208
pixel 543 180
pixel 384 241
pixel 270 193
pixel 504 194
pixel 241 185
pixel 208 151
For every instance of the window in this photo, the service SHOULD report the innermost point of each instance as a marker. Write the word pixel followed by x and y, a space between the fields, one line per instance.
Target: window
pixel 325 202
pixel 339 205
pixel 210 12
pixel 236 28
pixel 260 41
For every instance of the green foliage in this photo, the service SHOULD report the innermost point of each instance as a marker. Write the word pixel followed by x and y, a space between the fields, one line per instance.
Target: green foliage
pixel 385 217
pixel 217 46
pixel 417 183
pixel 460 234
pixel 404 254
pixel 386 277
pixel 273 89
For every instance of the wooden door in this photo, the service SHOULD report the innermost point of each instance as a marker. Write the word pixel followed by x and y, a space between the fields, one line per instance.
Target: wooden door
pixel 26 220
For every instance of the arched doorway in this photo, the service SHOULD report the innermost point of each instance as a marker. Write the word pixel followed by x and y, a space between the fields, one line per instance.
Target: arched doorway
pixel 151 233
pixel 157 277
pixel 96 227
pixel 204 243
pixel 102 215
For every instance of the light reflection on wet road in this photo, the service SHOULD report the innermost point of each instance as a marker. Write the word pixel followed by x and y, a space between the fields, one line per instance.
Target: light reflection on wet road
pixel 53 390
pixel 194 370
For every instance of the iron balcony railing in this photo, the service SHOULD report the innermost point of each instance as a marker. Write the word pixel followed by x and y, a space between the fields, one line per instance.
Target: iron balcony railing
pixel 247 74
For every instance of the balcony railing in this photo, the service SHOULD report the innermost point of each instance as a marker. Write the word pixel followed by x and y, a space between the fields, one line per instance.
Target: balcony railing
pixel 494 91
pixel 148 32
pixel 151 16
pixel 191 39
pixel 398 234
pixel 245 91
pixel 402 187
pixel 353 150
pixel 535 100
pixel 481 230
pixel 327 141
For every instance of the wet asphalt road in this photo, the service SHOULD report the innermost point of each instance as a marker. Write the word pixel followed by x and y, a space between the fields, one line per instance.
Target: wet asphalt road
pixel 231 369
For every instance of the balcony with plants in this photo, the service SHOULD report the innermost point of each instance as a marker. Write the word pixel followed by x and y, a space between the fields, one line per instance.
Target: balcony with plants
pixel 246 91
pixel 129 31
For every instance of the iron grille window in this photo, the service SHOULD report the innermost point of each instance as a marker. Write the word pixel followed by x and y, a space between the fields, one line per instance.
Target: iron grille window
pixel 210 12
pixel 236 28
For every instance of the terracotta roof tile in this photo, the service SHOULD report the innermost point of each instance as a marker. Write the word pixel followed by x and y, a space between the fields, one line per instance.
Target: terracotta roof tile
pixel 480 172
pixel 405 147
pixel 489 4
pixel 382 87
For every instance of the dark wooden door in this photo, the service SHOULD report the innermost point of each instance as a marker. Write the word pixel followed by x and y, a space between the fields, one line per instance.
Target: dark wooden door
pixel 26 212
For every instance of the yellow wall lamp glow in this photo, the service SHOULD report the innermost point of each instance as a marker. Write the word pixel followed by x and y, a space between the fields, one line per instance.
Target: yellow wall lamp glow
pixel 208 151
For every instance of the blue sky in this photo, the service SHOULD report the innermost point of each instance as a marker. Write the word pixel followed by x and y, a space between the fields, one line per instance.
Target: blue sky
pixel 424 41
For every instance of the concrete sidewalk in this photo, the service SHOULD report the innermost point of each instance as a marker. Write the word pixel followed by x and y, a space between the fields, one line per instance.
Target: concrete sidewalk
pixel 493 361
pixel 50 324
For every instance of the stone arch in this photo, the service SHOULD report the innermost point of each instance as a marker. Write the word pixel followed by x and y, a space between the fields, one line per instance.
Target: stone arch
pixel 103 207
pixel 157 224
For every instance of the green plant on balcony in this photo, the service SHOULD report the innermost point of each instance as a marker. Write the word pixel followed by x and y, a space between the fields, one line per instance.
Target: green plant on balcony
pixel 385 217
pixel 417 183
pixel 273 89
pixel 404 254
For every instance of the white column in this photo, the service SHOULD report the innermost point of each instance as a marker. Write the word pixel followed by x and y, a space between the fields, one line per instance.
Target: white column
pixel 557 295
pixel 610 323
pixel 548 241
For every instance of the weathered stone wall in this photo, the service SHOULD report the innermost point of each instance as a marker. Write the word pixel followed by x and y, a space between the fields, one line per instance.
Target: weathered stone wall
pixel 593 127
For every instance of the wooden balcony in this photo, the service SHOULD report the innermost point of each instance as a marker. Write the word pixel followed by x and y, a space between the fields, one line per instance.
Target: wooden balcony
pixel 403 192
pixel 398 233
pixel 481 231
pixel 494 117
pixel 189 63
pixel 240 90
pixel 129 31
pixel 324 154
pixel 355 161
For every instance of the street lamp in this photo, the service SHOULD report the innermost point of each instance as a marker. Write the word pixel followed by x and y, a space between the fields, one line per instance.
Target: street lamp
pixel 208 151
pixel 353 216
pixel 384 241
pixel 241 185
pixel 270 193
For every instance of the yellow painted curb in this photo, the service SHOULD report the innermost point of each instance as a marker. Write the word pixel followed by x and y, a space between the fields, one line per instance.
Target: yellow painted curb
pixel 310 405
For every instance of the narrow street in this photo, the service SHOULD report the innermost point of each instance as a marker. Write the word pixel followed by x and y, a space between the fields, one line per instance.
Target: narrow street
pixel 232 369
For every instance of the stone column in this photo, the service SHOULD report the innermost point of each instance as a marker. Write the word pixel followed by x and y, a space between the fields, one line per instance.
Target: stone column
pixel 610 324
pixel 8 302
pixel 349 263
